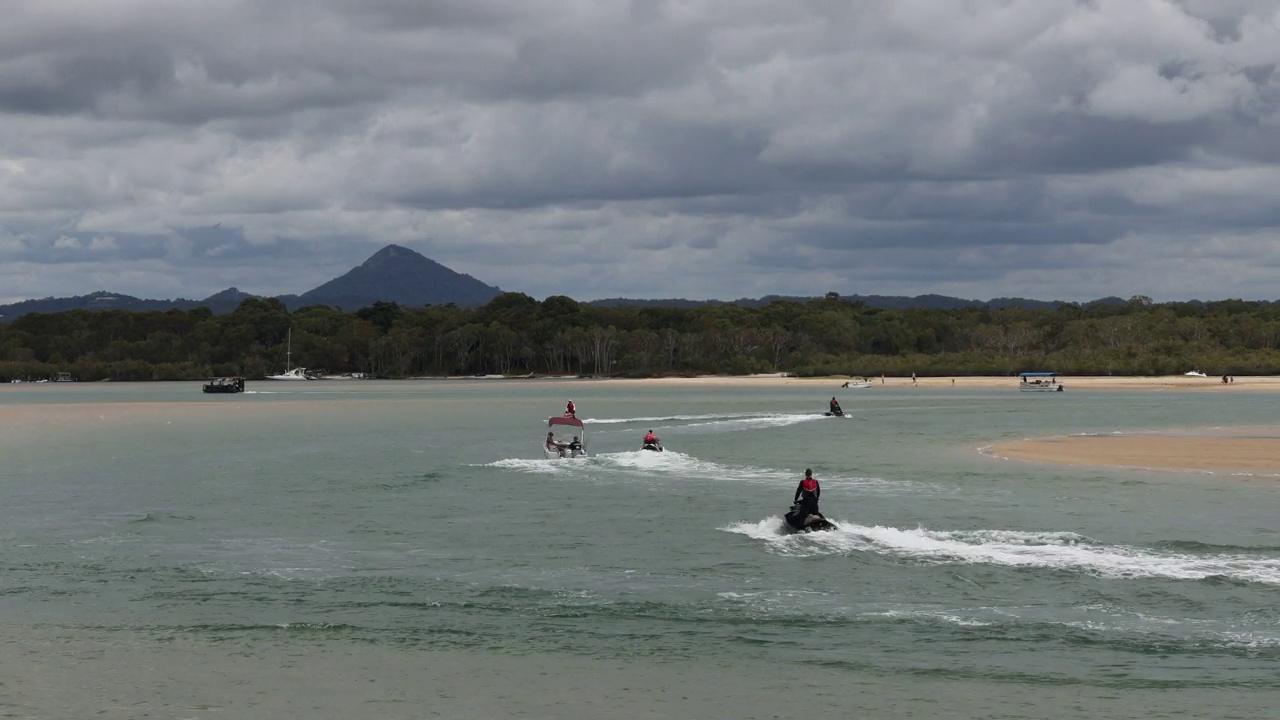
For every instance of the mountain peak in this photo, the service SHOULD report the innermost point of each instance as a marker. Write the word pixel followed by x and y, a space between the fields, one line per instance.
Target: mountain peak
pixel 405 276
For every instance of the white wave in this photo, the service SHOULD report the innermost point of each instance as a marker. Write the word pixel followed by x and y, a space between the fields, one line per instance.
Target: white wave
pixel 1011 548
pixel 549 466
pixel 650 465
pixel 752 422
pixel 667 418
pixel 943 616
pixel 672 462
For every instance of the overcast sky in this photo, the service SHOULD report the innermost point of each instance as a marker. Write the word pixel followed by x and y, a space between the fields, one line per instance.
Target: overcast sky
pixel 1053 149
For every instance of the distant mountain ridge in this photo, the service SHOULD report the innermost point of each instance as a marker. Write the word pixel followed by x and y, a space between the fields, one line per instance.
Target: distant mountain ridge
pixel 398 274
pixel 394 274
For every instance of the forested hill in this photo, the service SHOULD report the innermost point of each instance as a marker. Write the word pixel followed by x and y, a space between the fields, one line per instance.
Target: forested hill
pixel 518 335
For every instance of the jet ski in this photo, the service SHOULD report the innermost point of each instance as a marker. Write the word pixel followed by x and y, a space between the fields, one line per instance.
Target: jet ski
pixel 794 522
pixel 655 447
pixel 837 413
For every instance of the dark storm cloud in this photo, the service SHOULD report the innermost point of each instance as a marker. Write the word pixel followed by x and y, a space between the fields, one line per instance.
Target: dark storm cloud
pixel 727 147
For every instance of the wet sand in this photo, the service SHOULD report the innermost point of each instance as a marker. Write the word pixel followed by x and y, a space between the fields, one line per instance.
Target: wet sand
pixel 1253 454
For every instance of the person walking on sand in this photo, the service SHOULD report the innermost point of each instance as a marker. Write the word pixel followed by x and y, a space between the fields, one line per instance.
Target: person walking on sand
pixel 913 378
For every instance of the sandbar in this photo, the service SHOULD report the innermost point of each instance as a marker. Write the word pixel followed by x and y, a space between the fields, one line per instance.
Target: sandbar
pixel 1252 454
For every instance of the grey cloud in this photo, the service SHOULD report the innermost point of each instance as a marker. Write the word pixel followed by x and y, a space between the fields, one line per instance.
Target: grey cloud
pixel 728 145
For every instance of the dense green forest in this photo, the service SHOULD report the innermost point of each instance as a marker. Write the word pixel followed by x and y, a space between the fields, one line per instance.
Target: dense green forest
pixel 517 335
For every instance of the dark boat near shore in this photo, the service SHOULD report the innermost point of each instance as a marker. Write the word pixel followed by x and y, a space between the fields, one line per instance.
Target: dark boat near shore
pixel 224 385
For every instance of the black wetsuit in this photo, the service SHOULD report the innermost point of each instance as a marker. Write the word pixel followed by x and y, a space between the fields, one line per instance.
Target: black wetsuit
pixel 807 505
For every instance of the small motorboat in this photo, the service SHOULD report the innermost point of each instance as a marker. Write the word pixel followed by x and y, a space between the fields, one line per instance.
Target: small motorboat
pixel 225 385
pixel 575 449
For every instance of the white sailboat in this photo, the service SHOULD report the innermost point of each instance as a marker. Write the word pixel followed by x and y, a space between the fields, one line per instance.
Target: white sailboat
pixel 298 373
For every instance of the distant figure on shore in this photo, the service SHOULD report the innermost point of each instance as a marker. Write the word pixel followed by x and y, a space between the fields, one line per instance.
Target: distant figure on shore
pixel 913 378
pixel 1224 380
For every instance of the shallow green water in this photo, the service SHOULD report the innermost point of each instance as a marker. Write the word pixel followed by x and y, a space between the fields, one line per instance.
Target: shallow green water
pixel 420 518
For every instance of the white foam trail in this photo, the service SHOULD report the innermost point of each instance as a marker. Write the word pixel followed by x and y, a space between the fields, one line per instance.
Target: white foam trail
pixel 665 465
pixel 1011 548
pixel 645 462
pixel 546 466
pixel 672 462
pixel 666 418
pixel 762 421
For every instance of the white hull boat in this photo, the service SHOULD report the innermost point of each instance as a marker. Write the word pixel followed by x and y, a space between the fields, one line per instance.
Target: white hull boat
pixel 294 374
pixel 298 373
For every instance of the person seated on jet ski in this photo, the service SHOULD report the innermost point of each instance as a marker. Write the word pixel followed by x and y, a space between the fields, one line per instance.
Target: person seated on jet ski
pixel 835 407
pixel 805 503
pixel 575 445
pixel 570 411
pixel 651 439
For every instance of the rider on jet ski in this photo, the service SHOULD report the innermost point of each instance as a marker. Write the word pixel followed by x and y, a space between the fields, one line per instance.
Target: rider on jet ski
pixel 835 407
pixel 651 441
pixel 804 511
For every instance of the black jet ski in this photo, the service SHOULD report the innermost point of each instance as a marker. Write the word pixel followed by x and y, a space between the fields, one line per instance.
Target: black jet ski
pixel 655 447
pixel 837 412
pixel 794 522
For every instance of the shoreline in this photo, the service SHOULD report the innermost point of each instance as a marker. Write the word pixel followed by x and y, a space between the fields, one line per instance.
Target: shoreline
pixel 1179 383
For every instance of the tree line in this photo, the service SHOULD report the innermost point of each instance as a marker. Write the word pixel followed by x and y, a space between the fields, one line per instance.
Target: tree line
pixel 515 334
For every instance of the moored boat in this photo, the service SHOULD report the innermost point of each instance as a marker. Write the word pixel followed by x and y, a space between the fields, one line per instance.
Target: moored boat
pixel 1039 382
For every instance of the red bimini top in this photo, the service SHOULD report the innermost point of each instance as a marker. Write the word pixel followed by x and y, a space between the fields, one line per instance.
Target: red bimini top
pixel 575 422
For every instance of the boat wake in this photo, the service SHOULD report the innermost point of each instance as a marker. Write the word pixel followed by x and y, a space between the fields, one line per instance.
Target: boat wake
pixel 676 465
pixel 726 422
pixel 1011 548
pixel 668 418
pixel 757 421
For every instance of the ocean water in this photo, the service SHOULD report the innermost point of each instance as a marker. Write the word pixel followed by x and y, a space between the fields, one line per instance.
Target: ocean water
pixel 367 549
